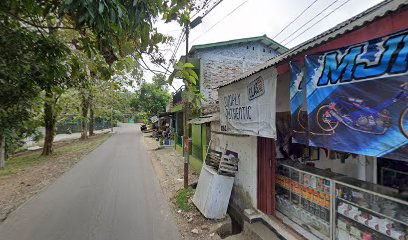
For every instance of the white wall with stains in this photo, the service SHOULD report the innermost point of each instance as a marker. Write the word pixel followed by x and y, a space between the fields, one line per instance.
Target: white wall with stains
pixel 244 193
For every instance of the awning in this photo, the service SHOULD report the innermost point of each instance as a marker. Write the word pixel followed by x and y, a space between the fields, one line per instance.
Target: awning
pixel 205 119
pixel 165 114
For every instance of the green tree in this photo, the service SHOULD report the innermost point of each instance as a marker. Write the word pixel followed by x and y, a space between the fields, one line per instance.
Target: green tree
pixel 25 67
pixel 151 98
pixel 114 28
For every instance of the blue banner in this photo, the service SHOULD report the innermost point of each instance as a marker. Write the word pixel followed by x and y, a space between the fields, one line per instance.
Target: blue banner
pixel 298 109
pixel 357 98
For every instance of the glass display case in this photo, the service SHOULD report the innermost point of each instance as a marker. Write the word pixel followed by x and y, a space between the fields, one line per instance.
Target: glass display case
pixel 303 194
pixel 333 206
pixel 369 211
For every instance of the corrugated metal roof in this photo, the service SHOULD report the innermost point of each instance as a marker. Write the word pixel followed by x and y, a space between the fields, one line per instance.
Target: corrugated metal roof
pixel 380 10
pixel 264 39
pixel 205 119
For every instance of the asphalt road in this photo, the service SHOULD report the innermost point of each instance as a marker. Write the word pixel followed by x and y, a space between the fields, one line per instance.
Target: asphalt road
pixel 112 194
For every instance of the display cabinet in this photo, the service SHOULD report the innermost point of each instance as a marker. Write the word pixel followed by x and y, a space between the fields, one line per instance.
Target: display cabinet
pixel 303 194
pixel 333 206
pixel 369 211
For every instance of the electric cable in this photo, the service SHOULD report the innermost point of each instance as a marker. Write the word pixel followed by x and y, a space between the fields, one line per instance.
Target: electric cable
pixel 320 20
pixel 307 8
pixel 209 10
pixel 220 20
pixel 297 30
pixel 177 46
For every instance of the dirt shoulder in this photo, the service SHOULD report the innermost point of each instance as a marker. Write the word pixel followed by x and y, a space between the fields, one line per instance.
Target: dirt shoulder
pixel 168 165
pixel 28 172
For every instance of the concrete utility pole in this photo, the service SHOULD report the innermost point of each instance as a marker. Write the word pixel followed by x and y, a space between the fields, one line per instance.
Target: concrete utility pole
pixel 185 121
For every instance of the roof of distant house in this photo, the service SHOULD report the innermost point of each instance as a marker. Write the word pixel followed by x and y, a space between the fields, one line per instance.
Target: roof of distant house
pixel 263 39
pixel 380 10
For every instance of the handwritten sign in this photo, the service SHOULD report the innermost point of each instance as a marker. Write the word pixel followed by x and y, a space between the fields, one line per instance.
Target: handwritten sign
pixel 256 88
pixel 248 107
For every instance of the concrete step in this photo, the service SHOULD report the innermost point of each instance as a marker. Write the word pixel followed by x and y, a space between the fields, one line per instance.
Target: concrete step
pixel 261 231
pixel 254 231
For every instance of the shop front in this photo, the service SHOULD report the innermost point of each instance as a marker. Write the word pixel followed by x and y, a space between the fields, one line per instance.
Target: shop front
pixel 321 132
pixel 334 206
pixel 246 128
pixel 348 110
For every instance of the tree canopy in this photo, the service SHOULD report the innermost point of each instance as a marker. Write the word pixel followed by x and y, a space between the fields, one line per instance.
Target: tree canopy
pixel 152 98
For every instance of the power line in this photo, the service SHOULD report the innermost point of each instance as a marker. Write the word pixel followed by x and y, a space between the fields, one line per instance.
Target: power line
pixel 209 10
pixel 180 39
pixel 320 20
pixel 176 47
pixel 307 8
pixel 182 34
pixel 220 20
pixel 297 30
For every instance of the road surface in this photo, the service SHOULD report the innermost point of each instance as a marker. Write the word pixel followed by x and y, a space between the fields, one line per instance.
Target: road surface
pixel 112 194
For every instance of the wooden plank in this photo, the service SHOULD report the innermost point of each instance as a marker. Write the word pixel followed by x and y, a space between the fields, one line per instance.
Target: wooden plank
pixel 229 167
pixel 229 164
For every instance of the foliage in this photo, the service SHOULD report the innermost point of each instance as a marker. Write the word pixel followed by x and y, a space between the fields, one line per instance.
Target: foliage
pixel 52 47
pixel 183 199
pixel 186 72
pixel 124 27
pixel 160 81
pixel 151 98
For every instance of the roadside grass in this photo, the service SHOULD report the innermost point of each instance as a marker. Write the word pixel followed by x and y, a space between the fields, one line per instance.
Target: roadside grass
pixel 183 199
pixel 62 150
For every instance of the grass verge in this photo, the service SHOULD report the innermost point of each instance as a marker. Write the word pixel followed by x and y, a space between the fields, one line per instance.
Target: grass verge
pixel 66 149
pixel 183 199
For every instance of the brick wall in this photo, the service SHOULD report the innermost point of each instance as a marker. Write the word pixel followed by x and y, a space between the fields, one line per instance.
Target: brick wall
pixel 222 64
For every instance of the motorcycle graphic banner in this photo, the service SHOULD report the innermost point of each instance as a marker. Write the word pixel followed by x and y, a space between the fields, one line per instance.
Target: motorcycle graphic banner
pixel 298 104
pixel 357 98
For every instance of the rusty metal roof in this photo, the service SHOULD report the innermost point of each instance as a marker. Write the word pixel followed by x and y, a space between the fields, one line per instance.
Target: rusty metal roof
pixel 380 10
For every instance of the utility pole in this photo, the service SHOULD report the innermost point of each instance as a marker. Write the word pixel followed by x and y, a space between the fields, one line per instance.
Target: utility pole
pixel 186 139
pixel 111 119
pixel 185 121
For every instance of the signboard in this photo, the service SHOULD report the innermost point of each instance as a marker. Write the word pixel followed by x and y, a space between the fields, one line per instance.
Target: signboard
pixel 248 107
pixel 357 98
pixel 154 119
pixel 298 108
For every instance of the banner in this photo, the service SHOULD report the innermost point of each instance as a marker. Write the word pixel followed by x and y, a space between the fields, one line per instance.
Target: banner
pixel 298 108
pixel 248 107
pixel 357 98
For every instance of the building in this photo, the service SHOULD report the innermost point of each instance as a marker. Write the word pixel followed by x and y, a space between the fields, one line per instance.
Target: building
pixel 341 189
pixel 216 64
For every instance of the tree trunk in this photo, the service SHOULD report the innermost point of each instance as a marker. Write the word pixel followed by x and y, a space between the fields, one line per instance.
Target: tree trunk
pixel 2 152
pixel 49 121
pixel 84 117
pixel 91 116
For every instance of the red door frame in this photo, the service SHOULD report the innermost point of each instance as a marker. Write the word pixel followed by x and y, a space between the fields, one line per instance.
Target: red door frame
pixel 266 175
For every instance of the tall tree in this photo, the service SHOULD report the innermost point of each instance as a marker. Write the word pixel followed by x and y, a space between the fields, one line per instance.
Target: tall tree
pixel 151 98
pixel 114 28
pixel 23 62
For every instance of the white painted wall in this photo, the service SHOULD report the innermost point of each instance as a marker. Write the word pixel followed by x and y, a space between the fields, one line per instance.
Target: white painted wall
pixel 360 167
pixel 282 93
pixel 245 183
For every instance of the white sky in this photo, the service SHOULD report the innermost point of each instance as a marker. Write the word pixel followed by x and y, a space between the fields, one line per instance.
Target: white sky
pixel 259 17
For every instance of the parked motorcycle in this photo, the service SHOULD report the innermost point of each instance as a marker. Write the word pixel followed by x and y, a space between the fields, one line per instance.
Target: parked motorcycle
pixel 356 115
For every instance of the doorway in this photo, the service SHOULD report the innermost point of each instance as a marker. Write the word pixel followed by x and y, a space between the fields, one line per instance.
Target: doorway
pixel 266 175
